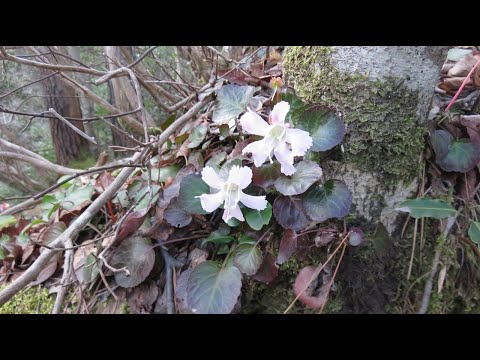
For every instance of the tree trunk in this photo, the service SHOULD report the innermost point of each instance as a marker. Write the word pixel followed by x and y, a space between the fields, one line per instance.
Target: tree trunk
pixel 384 95
pixel 68 144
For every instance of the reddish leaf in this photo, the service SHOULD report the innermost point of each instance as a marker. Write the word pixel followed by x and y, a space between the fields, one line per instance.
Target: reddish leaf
pixel 288 245
pixel 131 224
pixel 265 175
pixel 315 295
pixel 468 184
pixel 51 232
pixel 237 150
pixel 472 123
pixel 140 301
pixel 103 182
pixel 48 270
pixel 268 271
pixel 324 239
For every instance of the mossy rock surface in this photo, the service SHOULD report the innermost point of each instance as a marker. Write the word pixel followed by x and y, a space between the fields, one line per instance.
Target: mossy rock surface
pixel 35 300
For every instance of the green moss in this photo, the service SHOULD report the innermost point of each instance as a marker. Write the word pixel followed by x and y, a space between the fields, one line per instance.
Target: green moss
pixel 35 300
pixel 380 116
pixel 83 163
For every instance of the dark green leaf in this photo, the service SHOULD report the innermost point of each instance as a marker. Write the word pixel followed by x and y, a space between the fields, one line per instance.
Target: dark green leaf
pixel 247 258
pixel 441 141
pixel 190 187
pixel 307 173
pixel 168 122
pixel 197 135
pixel 231 101
pixel 244 238
pixel 168 171
pixel 474 232
pixel 290 213
pixel 462 156
pixel 257 219
pixel 224 130
pixel 77 196
pixel 216 159
pixel 212 289
pixel 196 159
pixel 331 200
pixel 217 238
pixel 325 128
pixel 424 207
pixel 137 254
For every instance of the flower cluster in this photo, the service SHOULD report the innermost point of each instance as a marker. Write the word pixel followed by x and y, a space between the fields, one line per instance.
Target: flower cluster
pixel 279 139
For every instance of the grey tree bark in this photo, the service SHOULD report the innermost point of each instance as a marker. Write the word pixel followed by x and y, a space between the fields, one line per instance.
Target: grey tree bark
pixel 384 95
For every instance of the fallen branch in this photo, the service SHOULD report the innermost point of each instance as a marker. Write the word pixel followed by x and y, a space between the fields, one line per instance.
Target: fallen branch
pixel 46 165
pixel 67 270
pixel 170 263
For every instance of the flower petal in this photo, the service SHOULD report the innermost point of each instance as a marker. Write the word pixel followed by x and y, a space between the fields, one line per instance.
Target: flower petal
pixel 211 202
pixel 300 141
pixel 242 176
pixel 211 178
pixel 285 158
pixel 279 112
pixel 253 124
pixel 233 212
pixel 253 202
pixel 259 150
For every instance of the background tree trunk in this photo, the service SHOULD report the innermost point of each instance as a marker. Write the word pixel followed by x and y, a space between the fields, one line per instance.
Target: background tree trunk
pixel 68 144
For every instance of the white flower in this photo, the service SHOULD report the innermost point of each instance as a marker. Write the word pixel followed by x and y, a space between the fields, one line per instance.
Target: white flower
pixel 230 192
pixel 279 138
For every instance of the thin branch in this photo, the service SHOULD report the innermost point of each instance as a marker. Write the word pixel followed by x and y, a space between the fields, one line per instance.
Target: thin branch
pixel 30 83
pixel 5 56
pixel 170 263
pixel 142 57
pixel 71 126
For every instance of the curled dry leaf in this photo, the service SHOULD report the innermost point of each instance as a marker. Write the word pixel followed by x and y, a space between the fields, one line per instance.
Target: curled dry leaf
pixel 316 292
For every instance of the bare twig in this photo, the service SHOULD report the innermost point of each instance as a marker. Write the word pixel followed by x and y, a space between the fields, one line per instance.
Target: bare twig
pixel 170 264
pixel 30 83
pixel 71 126
pixel 112 269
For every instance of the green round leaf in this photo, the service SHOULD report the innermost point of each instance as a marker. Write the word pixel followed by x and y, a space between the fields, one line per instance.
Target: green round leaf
pixel 247 258
pixel 462 156
pixel 325 128
pixel 190 187
pixel 474 232
pixel 231 101
pixel 257 219
pixel 137 254
pixel 424 207
pixel 290 213
pixel 331 200
pixel 307 173
pixel 212 289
